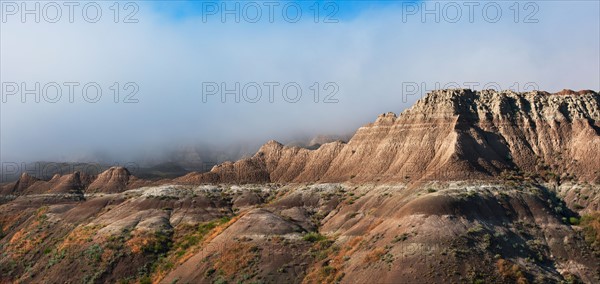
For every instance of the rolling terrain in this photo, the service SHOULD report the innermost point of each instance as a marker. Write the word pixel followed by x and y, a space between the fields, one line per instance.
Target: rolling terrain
pixel 463 187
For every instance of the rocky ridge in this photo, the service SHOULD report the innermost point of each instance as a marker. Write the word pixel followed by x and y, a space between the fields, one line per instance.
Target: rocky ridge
pixel 448 135
pixel 464 187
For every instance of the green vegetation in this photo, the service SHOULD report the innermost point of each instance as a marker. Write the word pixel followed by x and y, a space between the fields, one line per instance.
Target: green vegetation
pixel 572 279
pixel 375 255
pixel 352 215
pixel 94 252
pixel 172 245
pixel 146 280
pixel 510 271
pixel 400 238
pixel 591 230
pixel 313 237
pixel 196 236
pixel 56 257
pixel 486 241
pixel 115 242
pixel 574 221
pixel 210 272
pixel 328 270
pixel 475 229
pixel 578 206
pixel 161 243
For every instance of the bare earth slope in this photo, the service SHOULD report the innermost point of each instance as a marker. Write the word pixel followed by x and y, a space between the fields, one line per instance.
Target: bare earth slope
pixel 448 135
pixel 325 233
pixel 464 187
pixel 113 180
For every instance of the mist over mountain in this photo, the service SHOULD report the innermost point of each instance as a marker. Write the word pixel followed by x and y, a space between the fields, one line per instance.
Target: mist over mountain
pixel 166 162
pixel 374 56
pixel 292 141
pixel 465 186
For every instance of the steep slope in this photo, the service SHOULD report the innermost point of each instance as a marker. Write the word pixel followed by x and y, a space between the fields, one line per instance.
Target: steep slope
pixel 114 179
pixel 462 233
pixel 448 135
pixel 65 184
pixel 24 182
pixel 460 188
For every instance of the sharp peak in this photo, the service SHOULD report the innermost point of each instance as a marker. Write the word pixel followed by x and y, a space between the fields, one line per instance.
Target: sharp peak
pixel 25 176
pixel 272 143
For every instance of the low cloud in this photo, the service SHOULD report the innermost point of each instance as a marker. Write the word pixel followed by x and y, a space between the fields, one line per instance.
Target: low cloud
pixel 365 61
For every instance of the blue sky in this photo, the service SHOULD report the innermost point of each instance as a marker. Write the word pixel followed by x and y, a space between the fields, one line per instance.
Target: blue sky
pixel 349 9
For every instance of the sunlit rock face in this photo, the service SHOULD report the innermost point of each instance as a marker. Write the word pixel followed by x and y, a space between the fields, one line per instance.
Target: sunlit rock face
pixel 447 135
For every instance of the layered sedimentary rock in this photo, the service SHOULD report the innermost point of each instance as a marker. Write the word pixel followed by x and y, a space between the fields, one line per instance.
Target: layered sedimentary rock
pixel 115 179
pixel 448 135
pixel 62 184
pixel 500 229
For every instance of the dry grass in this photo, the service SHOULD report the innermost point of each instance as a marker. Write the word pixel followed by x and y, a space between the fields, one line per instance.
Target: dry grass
pixel 24 241
pixel 374 224
pixel 511 271
pixel 29 237
pixel 9 220
pixel 591 228
pixel 139 241
pixel 174 259
pixel 333 272
pixel 374 256
pixel 235 258
pixel 79 236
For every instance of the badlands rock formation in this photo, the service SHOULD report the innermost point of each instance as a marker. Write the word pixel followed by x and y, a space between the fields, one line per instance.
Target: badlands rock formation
pixel 464 187
pixel 115 179
pixel 448 135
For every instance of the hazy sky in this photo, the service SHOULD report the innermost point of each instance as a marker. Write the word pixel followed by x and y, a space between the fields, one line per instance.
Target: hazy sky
pixel 170 54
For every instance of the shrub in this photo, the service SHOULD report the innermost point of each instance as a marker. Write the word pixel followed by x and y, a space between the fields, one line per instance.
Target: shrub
pixel 400 238
pixel 591 229
pixel 572 279
pixel 510 271
pixel 328 270
pixel 94 252
pixel 161 243
pixel 55 258
pixel 475 229
pixel 374 255
pixel 313 237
